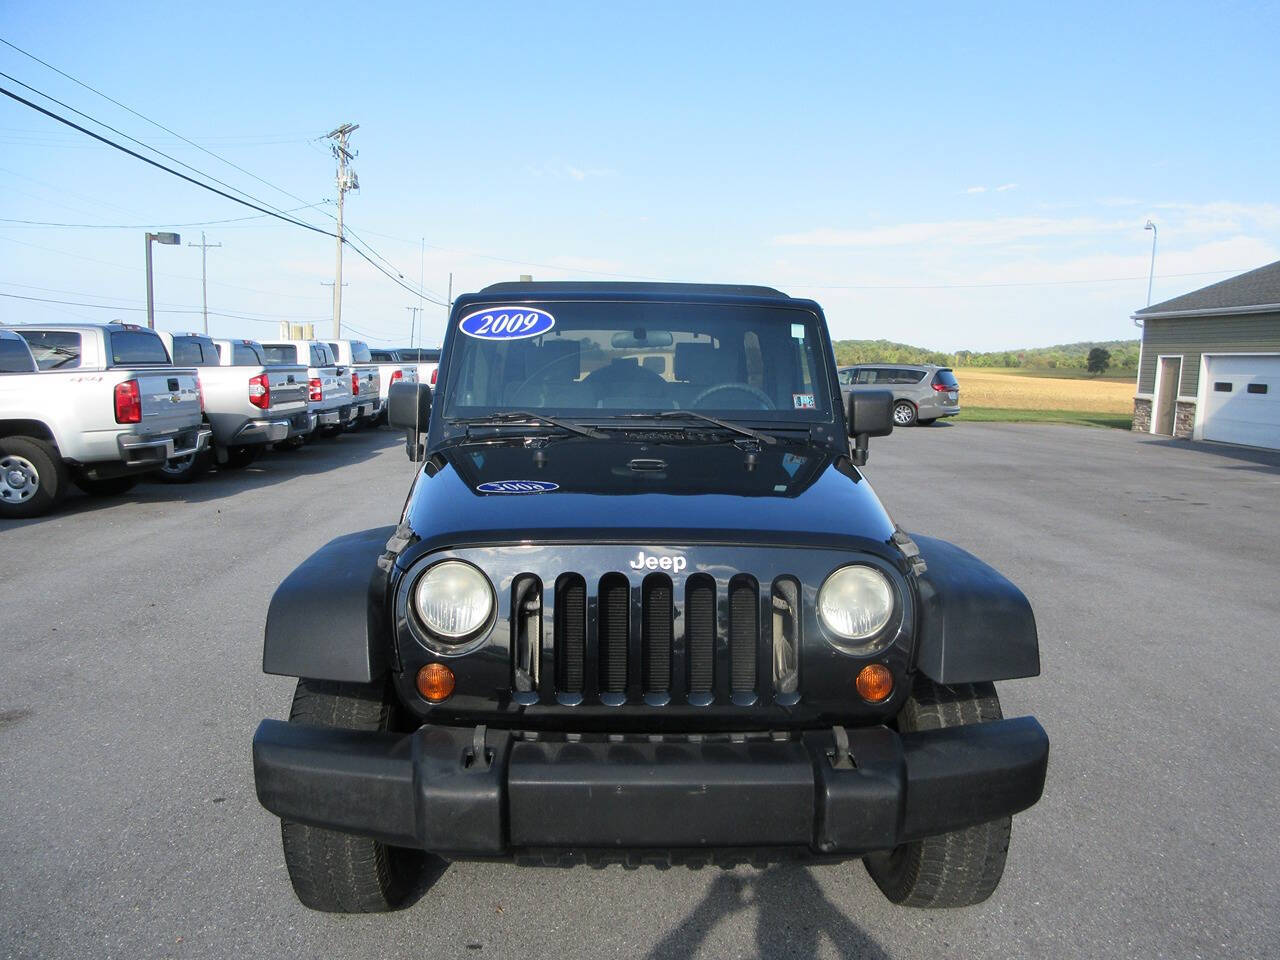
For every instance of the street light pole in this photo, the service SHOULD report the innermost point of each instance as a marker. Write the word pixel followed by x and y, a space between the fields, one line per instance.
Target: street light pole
pixel 165 238
pixel 1152 275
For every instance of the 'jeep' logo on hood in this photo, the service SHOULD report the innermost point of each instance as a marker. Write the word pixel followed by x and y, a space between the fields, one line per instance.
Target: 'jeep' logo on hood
pixel 641 562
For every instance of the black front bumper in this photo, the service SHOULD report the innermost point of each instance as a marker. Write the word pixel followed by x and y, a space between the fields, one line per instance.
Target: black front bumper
pixel 465 792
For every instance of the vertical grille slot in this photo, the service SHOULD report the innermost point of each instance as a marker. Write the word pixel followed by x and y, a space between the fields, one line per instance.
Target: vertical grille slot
pixel 786 638
pixel 615 618
pixel 526 633
pixel 570 632
pixel 744 633
pixel 657 618
pixel 700 631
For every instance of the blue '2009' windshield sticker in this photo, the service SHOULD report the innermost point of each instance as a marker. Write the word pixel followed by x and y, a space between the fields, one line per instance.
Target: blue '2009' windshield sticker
pixel 507 323
pixel 518 486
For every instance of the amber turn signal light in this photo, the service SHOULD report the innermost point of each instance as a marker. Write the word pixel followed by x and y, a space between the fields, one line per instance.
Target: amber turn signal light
pixel 435 682
pixel 874 683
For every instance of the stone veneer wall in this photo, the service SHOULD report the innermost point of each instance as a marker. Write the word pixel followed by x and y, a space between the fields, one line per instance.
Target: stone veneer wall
pixel 1141 416
pixel 1184 417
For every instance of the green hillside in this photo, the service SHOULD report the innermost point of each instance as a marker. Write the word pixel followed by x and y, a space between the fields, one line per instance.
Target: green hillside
pixel 1063 356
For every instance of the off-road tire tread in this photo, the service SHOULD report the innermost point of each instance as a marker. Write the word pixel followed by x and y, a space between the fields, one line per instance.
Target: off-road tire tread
pixel 331 871
pixel 960 868
pixel 53 482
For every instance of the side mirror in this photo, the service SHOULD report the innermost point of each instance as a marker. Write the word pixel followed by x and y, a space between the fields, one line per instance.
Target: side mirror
pixel 409 409
pixel 870 414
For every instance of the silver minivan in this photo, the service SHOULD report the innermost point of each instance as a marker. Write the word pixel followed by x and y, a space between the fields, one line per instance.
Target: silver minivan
pixel 921 392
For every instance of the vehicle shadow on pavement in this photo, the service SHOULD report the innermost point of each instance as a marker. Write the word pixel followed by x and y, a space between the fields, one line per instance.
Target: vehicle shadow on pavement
pixel 1265 460
pixel 792 913
pixel 273 466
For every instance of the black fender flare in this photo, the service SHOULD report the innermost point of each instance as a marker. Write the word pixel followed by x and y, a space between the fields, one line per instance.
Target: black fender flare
pixel 326 619
pixel 975 625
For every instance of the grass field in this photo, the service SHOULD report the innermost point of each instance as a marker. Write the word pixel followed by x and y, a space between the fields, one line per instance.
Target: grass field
pixel 1006 415
pixel 993 389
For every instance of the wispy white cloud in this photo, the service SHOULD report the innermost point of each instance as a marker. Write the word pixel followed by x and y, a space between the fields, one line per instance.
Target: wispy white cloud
pixel 569 171
pixel 1006 187
pixel 976 190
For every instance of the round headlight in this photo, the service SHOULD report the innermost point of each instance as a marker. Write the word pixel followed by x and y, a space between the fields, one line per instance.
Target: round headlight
pixel 453 599
pixel 856 602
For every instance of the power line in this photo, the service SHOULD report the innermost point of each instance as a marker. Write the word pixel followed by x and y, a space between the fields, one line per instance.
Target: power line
pixel 160 166
pixel 147 226
pixel 107 306
pixel 145 146
pixel 182 176
pixel 154 123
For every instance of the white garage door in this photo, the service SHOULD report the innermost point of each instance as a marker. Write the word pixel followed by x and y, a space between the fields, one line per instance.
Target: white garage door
pixel 1242 400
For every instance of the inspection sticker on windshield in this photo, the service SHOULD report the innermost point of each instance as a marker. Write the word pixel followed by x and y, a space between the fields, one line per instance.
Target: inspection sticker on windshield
pixel 507 323
pixel 518 486
pixel 797 331
pixel 803 401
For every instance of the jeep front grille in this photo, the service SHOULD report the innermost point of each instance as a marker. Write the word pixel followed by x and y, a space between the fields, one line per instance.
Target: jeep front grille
pixel 614 640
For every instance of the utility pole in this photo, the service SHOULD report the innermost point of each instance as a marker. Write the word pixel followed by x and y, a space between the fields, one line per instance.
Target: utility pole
pixel 347 180
pixel 204 275
pixel 413 324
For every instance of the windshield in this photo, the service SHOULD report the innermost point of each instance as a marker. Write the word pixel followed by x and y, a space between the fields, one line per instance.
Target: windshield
pixel 607 359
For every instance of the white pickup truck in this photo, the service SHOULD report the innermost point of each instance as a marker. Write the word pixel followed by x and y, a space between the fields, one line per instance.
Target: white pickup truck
pixel 328 383
pixel 425 359
pixel 391 369
pixel 366 384
pixel 98 405
pixel 247 403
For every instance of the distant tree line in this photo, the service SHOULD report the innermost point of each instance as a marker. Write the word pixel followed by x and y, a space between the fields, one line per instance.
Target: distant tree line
pixel 1121 355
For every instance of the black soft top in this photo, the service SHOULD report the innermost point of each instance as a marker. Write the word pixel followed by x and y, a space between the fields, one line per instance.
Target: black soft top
pixel 545 288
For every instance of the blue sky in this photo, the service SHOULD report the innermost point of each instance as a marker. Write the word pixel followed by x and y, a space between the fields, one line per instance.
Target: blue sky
pixel 947 177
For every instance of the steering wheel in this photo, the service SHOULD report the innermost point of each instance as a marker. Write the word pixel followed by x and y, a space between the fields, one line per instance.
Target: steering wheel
pixel 765 402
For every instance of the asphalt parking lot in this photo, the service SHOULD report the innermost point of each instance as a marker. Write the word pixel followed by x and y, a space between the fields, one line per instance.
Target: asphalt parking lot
pixel 131 686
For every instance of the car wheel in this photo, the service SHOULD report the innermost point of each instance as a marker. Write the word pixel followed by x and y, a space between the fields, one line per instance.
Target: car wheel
pixel 105 486
pixel 954 869
pixel 336 872
pixel 33 478
pixel 183 469
pixel 904 413
pixel 240 457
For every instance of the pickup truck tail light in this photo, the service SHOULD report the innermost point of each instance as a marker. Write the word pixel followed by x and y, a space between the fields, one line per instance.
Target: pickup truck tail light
pixel 260 391
pixel 355 384
pixel 128 402
pixel 397 376
pixel 433 375
pixel 314 390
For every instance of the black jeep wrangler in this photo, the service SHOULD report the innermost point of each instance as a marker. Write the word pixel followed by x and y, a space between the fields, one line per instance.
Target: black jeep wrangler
pixel 642 606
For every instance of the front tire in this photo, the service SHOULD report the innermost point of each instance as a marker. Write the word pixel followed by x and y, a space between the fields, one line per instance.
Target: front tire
pixel 33 478
pixel 904 413
pixel 954 869
pixel 337 872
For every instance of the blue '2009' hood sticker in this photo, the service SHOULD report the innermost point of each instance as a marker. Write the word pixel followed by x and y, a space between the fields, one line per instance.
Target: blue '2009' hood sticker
pixel 518 486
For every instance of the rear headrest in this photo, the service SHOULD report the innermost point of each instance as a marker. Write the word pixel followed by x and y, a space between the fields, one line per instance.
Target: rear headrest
pixel 559 360
pixel 703 363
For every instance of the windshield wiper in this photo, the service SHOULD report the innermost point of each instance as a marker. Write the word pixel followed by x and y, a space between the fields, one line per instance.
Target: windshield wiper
pixel 526 417
pixel 694 415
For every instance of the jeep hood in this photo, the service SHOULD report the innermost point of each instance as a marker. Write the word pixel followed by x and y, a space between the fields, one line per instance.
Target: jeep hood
pixel 582 490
